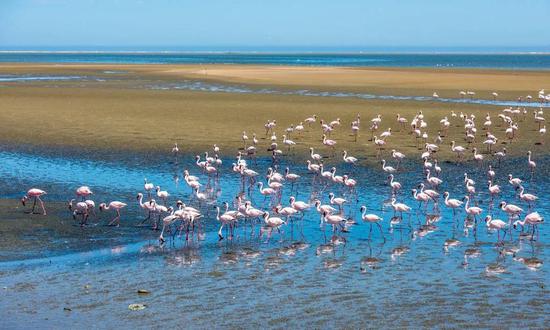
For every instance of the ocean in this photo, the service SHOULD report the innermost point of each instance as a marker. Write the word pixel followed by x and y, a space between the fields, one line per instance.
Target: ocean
pixel 528 61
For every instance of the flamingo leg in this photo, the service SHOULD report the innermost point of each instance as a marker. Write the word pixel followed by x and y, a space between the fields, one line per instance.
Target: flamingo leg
pixel 33 205
pixel 41 204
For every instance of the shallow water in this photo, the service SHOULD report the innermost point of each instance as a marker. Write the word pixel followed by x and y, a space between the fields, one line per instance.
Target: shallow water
pixel 354 59
pixel 202 86
pixel 404 279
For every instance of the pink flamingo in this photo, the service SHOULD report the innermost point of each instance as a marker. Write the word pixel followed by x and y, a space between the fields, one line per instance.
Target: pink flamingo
pixel 83 192
pixel 371 218
pixel 271 223
pixel 117 206
pixel 81 208
pixel 529 198
pixel 395 186
pixel 34 193
pixel 452 203
pixel 496 224
pixel 473 211
pixel 533 219
pixel 225 219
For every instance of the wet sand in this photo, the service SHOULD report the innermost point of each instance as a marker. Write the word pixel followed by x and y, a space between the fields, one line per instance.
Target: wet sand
pixel 121 114
pixel 396 81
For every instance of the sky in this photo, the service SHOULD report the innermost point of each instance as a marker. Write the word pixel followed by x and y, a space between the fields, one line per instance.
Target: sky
pixel 261 24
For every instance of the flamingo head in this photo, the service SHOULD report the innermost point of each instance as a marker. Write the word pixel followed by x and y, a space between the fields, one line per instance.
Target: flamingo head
pixel 363 208
pixel 488 218
pixel 24 200
pixel 446 194
pixel 139 195
pixel 102 206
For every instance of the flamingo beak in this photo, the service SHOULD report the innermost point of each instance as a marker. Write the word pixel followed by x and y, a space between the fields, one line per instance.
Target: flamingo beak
pixel 23 201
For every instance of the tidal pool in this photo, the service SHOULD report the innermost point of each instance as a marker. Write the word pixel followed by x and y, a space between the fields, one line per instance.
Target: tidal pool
pixel 412 276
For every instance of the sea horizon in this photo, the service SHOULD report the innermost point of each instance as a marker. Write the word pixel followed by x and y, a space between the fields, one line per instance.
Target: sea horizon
pixel 341 58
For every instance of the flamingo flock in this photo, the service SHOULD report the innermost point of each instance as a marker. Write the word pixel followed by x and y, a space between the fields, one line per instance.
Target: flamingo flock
pixel 334 191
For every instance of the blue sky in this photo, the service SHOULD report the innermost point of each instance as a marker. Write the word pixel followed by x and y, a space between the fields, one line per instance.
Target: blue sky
pixel 216 24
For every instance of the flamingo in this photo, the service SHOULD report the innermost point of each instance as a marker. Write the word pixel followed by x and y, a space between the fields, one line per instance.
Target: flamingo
pixel 421 197
pixel 516 182
pixel 291 177
pixel 336 178
pixel 175 149
pixel 167 222
pixel 314 168
pixel 395 186
pixel 348 159
pixel 459 150
pixel 473 210
pixel 310 120
pixel 148 186
pixel 398 156
pixel 491 173
pixel 348 182
pixel 265 191
pixel 337 200
pixel 451 202
pixel 542 133
pixel 272 223
pixel 432 180
pixel 501 155
pixel 533 219
pixel 83 192
pixel 117 206
pixel 510 209
pixel 299 205
pixel 399 207
pixel 477 157
pixel 325 174
pixel 244 137
pixel 329 143
pixel 79 208
pixel 494 189
pixel 314 156
pixel 335 220
pixel 224 219
pixel 371 218
pixel 531 163
pixel 149 206
pixel 434 195
pixel 287 211
pixel 35 194
pixel 529 198
pixel 387 169
pixel 324 208
pixel 186 176
pixel 495 224
pixel 288 142
pixel 162 194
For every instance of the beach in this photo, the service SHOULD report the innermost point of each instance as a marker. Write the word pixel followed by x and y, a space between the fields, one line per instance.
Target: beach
pixel 119 109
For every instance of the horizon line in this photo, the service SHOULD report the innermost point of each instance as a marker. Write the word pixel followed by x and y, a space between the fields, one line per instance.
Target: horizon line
pixel 266 52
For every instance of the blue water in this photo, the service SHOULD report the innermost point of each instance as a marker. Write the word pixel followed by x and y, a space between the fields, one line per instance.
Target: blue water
pixel 195 85
pixel 302 280
pixel 499 61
